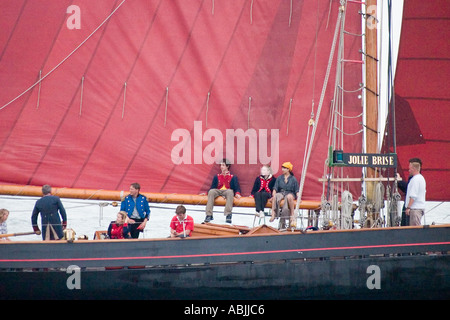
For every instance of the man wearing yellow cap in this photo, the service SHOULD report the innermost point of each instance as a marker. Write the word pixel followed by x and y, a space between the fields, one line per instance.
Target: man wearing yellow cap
pixel 286 187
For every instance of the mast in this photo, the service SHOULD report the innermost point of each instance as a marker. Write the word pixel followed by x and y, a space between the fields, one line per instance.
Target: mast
pixel 371 92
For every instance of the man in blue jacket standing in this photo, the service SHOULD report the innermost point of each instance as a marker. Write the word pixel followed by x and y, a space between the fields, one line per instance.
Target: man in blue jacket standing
pixel 50 207
pixel 137 209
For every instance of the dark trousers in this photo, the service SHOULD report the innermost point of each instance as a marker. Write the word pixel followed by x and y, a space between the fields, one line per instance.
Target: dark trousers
pixel 405 218
pixel 261 200
pixel 133 227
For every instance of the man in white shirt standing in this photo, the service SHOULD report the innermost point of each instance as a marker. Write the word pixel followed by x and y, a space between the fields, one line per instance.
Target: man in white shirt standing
pixel 415 195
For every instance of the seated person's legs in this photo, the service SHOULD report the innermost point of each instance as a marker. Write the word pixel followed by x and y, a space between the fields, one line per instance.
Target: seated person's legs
pixel 212 195
pixel 229 197
pixel 290 201
pixel 276 205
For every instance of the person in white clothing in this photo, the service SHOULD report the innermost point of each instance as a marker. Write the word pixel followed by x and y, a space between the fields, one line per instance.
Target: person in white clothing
pixel 415 194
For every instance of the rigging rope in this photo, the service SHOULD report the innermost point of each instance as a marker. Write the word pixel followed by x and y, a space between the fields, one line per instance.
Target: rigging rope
pixel 315 58
pixel 346 210
pixel 66 58
pixel 394 197
pixel 167 101
pixel 251 12
pixel 335 209
pixel 322 96
pixel 289 117
pixel 362 201
pixel 349 134
pixel 336 137
pixel 248 114
pixel 81 94
pixel 378 204
pixel 351 91
pixel 39 90
pixel 379 197
pixel 207 109
pixel 290 14
pixel 349 117
pixel 124 99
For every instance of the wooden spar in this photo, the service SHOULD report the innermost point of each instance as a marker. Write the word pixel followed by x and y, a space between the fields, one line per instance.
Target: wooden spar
pixel 7 235
pixel 111 195
pixel 371 89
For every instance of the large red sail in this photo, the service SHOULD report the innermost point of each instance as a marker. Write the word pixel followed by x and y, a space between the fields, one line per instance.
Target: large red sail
pixel 151 91
pixel 422 94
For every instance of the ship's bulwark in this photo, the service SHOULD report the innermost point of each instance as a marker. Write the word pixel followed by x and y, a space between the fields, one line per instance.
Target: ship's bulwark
pixel 385 263
pixel 409 277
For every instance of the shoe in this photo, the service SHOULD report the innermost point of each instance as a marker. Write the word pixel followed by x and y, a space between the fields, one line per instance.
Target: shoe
pixel 228 219
pixel 209 218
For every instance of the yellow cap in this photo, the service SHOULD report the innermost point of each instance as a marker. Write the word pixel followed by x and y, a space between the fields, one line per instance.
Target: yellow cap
pixel 288 165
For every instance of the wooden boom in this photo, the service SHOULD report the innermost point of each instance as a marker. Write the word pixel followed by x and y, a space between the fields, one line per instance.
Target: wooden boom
pixel 113 195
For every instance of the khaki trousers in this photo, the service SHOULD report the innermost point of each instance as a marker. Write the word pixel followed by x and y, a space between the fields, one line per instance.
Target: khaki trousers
pixel 415 215
pixel 276 205
pixel 213 194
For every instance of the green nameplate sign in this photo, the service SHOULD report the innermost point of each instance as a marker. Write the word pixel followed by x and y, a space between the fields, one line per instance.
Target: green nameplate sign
pixel 364 159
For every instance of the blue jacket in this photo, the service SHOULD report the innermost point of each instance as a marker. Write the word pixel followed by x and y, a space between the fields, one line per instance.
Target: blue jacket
pixel 51 208
pixel 143 209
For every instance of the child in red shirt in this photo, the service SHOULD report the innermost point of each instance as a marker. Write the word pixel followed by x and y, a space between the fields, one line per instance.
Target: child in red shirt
pixel 181 225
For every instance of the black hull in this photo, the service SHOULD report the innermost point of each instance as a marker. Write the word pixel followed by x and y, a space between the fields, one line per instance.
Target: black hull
pixel 392 263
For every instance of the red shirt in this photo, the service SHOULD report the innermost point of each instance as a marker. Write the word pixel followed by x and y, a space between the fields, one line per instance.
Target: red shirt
pixel 117 230
pixel 224 180
pixel 177 225
pixel 265 184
